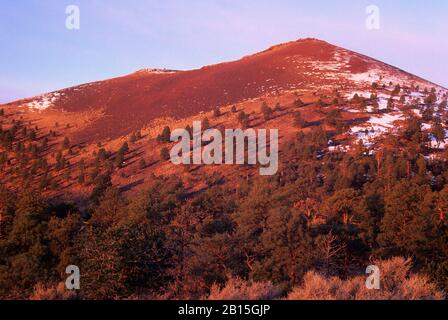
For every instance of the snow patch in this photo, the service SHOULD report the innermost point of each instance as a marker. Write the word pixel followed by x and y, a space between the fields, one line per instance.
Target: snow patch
pixel 44 102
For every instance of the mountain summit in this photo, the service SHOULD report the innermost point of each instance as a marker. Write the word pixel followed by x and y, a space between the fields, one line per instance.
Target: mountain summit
pixel 132 101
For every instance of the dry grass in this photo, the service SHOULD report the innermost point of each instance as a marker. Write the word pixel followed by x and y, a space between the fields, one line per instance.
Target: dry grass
pixel 397 283
pixel 238 289
pixel 58 292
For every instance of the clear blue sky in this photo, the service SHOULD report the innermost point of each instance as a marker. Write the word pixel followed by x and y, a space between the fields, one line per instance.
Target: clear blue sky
pixel 38 54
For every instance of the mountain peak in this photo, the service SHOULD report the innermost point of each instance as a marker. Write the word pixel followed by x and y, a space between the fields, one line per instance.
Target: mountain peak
pixel 309 64
pixel 155 71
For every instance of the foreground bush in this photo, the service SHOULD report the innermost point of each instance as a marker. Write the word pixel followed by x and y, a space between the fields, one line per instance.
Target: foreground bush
pixel 238 289
pixel 397 283
pixel 58 292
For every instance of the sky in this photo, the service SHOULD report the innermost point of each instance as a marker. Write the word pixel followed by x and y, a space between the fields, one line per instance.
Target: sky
pixel 39 54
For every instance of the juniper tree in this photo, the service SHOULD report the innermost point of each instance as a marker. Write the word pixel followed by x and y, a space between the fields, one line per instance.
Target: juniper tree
pixel 266 111
pixel 165 136
pixel 404 225
pixel 205 124
pixel 142 164
pixel 66 143
pixel 124 148
pixel 299 122
pixel 164 154
pixel 217 113
pixel 243 119
pixel 298 103
pixel 119 159
pixel 438 132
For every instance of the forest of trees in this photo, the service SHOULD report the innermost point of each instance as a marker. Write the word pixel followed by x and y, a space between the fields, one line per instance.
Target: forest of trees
pixel 330 213
pixel 321 219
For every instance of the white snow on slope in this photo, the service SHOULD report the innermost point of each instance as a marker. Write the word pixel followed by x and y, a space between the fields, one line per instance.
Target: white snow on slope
pixel 375 127
pixel 44 102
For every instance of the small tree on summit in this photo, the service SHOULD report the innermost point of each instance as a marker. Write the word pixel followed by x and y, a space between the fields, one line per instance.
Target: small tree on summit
pixel 165 136
pixel 135 136
pixel 124 148
pixel 216 113
pixel 266 110
pixel 205 124
pixel 66 143
pixel 299 103
pixel 165 154
pixel 243 119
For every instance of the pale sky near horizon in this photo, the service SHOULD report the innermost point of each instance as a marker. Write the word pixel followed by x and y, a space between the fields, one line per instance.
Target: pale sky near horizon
pixel 38 54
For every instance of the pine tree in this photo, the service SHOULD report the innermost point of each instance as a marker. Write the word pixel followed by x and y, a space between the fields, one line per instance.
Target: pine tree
pixel 142 164
pixel 66 143
pixel 165 136
pixel 375 106
pixel 438 132
pixel 299 122
pixel 164 154
pixel 243 119
pixel 266 111
pixel 217 113
pixel 205 124
pixel 289 250
pixel 119 159
pixel 298 103
pixel 124 148
pixel 404 225
pixel 390 104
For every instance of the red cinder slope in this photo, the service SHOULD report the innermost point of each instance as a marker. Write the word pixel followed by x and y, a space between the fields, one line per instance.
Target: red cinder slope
pixel 132 101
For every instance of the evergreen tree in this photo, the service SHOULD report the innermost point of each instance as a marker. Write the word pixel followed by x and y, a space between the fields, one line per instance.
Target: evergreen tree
pixel 404 225
pixel 205 124
pixel 299 103
pixel 438 132
pixel 124 148
pixel 266 111
pixel 299 122
pixel 217 113
pixel 165 136
pixel 243 119
pixel 142 164
pixel 164 154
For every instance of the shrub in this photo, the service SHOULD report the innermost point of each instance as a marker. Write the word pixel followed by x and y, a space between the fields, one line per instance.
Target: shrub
pixel 397 283
pixel 165 136
pixel 165 154
pixel 266 110
pixel 238 289
pixel 41 292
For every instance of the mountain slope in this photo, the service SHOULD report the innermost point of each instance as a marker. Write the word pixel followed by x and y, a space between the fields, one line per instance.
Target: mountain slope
pixel 130 102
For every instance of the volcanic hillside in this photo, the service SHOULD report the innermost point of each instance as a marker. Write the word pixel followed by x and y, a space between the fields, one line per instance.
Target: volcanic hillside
pixel 66 141
pixel 130 102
